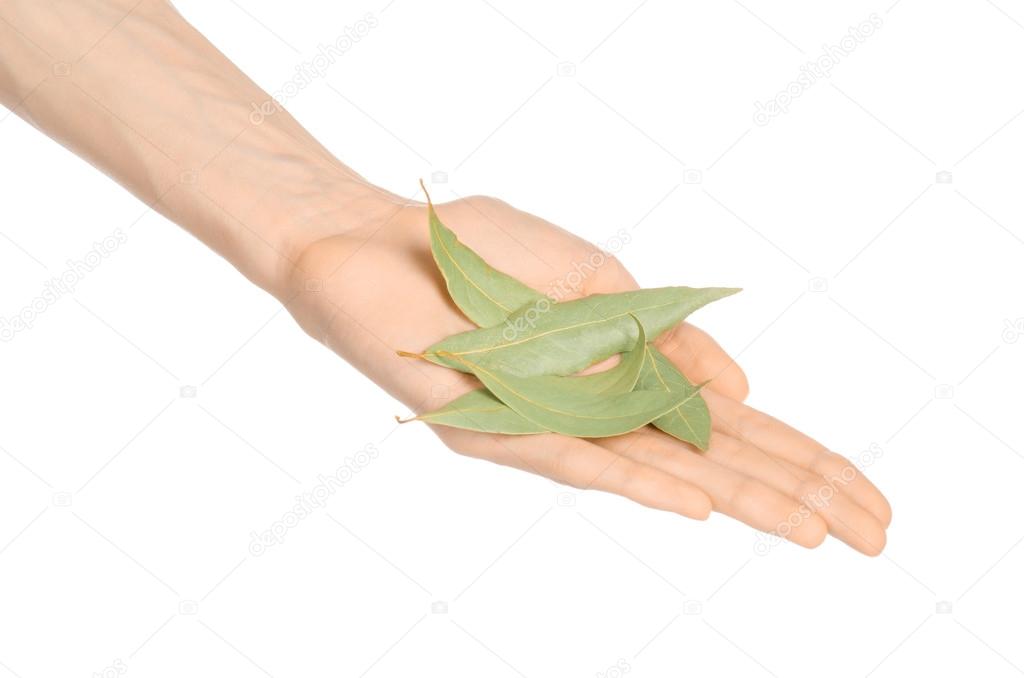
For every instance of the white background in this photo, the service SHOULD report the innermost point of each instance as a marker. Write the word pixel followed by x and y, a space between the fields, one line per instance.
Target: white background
pixel 126 510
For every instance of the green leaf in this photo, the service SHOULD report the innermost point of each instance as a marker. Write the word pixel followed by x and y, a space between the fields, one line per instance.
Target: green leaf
pixel 545 338
pixel 622 378
pixel 486 295
pixel 479 410
pixel 689 421
pixel 571 411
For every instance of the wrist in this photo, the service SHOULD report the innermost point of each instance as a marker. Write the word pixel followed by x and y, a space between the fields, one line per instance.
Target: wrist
pixel 267 199
pixel 168 116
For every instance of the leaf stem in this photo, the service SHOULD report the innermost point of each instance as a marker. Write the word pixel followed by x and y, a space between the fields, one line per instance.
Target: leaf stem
pixel 427 193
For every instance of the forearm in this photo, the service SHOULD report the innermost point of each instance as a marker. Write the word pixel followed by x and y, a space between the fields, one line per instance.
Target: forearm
pixel 135 90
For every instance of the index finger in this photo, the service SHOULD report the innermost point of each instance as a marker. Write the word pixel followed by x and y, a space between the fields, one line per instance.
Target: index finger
pixel 700 358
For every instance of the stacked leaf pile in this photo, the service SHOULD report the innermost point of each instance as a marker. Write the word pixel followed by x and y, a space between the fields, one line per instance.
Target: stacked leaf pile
pixel 528 346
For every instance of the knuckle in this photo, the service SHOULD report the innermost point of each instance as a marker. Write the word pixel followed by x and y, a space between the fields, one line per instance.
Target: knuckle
pixel 828 464
pixel 746 422
pixel 738 492
pixel 816 495
pixel 558 466
pixel 484 203
pixel 728 447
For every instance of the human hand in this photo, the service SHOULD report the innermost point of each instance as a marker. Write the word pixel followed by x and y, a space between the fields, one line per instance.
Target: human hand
pixel 353 264
pixel 367 291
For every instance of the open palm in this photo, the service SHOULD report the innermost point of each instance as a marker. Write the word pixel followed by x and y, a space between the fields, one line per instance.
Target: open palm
pixel 368 292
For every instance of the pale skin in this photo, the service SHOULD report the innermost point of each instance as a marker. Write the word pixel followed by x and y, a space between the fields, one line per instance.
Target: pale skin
pixel 135 90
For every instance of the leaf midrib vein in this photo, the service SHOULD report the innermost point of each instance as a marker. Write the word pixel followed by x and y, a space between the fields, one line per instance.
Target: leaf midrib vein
pixel 461 411
pixel 557 330
pixel 465 275
pixel 542 406
pixel 678 409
